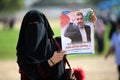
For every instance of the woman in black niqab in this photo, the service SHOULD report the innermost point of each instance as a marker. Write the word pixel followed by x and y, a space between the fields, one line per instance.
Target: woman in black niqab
pixel 36 52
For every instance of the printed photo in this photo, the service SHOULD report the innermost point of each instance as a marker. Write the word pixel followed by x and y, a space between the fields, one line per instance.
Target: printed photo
pixel 77 31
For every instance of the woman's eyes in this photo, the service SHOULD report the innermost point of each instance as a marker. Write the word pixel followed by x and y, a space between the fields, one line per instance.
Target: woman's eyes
pixel 35 22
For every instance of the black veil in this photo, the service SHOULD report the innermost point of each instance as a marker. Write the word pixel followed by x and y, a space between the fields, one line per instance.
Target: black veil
pixel 30 34
pixel 35 47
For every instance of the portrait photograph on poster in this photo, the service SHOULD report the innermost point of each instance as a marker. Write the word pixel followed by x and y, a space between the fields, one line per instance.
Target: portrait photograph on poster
pixel 77 31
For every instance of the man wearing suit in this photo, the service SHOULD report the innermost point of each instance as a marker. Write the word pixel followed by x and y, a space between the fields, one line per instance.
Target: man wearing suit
pixel 77 31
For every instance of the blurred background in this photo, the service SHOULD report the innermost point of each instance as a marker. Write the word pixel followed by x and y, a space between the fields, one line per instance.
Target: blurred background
pixel 94 65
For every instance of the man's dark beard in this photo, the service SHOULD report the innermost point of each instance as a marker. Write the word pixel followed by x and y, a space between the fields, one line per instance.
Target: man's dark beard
pixel 81 25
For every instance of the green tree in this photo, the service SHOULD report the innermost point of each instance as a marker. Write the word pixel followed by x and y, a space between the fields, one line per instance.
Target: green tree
pixel 10 5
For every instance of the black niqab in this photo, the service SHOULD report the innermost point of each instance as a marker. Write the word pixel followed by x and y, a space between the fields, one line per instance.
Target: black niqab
pixel 33 36
pixel 35 47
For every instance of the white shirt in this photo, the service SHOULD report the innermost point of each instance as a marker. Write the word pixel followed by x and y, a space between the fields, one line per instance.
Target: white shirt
pixel 83 34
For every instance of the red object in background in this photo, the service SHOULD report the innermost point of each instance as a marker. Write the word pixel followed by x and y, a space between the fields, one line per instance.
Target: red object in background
pixel 79 74
pixel 64 20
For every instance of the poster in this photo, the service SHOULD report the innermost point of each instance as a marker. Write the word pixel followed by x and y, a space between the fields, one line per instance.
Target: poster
pixel 77 31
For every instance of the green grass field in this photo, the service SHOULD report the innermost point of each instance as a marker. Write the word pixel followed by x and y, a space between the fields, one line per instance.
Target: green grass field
pixel 8 42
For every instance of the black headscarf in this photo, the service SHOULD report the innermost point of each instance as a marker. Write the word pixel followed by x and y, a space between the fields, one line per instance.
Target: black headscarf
pixel 35 47
pixel 33 35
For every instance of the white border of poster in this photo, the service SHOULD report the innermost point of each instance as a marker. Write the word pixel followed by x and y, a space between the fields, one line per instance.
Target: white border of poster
pixel 74 41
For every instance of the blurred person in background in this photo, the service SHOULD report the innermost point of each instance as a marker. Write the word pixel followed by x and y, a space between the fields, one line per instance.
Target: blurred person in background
pixel 112 25
pixel 5 22
pixel 115 46
pixel 99 32
pixel 11 22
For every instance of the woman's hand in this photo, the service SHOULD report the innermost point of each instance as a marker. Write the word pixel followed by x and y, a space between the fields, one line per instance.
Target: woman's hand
pixel 57 57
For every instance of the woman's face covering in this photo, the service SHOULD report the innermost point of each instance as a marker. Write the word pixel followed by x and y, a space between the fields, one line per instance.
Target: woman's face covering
pixel 34 35
pixel 40 27
pixel 35 23
pixel 37 30
pixel 34 17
